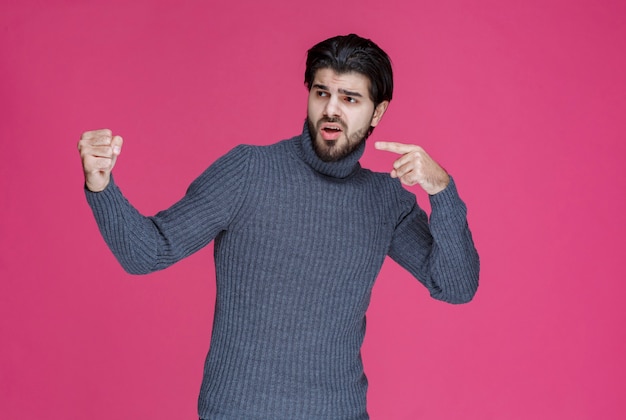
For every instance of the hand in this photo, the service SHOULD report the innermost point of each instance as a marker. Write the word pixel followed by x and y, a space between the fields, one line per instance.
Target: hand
pixel 416 167
pixel 98 150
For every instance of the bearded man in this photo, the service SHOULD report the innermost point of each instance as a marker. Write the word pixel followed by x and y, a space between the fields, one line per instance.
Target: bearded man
pixel 301 231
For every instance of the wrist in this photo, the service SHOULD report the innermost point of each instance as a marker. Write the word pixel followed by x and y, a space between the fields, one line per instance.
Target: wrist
pixel 98 185
pixel 439 186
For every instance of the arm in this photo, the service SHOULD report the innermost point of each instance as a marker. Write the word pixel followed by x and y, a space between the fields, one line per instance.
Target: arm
pixel 441 254
pixel 145 244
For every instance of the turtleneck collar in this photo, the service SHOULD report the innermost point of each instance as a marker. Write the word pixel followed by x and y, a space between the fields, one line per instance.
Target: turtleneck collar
pixel 339 169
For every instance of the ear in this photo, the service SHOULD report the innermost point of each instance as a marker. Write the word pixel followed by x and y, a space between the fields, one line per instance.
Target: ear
pixel 379 111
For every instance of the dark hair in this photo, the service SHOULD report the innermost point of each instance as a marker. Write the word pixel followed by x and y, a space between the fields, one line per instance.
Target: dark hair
pixel 351 53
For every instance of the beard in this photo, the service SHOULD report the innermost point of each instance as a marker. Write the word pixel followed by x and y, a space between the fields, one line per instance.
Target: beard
pixel 332 151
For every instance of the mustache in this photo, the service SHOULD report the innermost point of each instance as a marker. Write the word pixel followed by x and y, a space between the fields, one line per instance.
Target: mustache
pixel 335 120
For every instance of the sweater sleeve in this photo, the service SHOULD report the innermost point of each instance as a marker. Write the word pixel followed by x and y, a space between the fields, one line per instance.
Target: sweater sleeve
pixel 441 254
pixel 145 244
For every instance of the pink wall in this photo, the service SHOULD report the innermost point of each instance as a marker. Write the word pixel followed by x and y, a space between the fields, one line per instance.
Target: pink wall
pixel 523 102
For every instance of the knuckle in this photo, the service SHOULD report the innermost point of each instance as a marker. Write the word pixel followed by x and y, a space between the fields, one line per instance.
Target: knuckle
pixel 101 132
pixel 92 133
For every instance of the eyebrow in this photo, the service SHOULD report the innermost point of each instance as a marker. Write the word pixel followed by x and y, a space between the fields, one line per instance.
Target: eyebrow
pixel 340 90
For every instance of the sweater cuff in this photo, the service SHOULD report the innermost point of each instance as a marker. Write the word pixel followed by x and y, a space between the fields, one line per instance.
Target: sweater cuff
pixel 104 198
pixel 447 200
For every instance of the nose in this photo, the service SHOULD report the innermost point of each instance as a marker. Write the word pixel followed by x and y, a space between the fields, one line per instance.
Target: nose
pixel 332 108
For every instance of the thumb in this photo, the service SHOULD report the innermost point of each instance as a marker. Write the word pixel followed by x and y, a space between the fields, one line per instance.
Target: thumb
pixel 116 144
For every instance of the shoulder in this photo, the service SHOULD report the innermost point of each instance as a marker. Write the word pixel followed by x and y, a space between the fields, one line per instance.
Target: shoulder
pixel 244 159
pixel 242 155
pixel 385 182
pixel 231 166
pixel 388 189
pixel 261 151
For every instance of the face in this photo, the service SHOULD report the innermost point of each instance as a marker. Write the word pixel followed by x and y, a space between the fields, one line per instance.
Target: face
pixel 340 113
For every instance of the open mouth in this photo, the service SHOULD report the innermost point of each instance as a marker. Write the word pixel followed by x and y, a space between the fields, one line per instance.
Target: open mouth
pixel 330 132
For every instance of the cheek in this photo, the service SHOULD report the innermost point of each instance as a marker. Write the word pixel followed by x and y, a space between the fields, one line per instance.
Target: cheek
pixel 362 120
pixel 314 102
pixel 311 109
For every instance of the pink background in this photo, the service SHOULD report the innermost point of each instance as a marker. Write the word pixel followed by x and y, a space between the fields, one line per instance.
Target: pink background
pixel 524 102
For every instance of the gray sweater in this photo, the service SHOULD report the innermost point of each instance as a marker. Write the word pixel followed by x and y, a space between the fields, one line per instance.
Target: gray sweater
pixel 298 245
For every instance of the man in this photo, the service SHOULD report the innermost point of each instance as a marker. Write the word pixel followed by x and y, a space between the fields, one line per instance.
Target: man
pixel 301 232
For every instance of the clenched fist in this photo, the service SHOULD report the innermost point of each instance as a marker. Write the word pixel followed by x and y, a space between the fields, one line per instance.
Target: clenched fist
pixel 98 150
pixel 415 166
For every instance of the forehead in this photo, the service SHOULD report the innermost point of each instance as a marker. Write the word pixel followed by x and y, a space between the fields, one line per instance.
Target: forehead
pixel 352 81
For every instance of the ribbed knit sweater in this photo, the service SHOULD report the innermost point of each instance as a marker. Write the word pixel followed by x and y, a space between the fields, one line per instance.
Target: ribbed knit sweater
pixel 298 245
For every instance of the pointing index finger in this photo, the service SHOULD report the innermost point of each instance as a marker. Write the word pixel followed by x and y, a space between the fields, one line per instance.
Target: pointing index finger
pixel 394 147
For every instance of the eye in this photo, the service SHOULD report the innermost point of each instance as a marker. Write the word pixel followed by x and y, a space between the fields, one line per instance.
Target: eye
pixel 350 99
pixel 321 93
